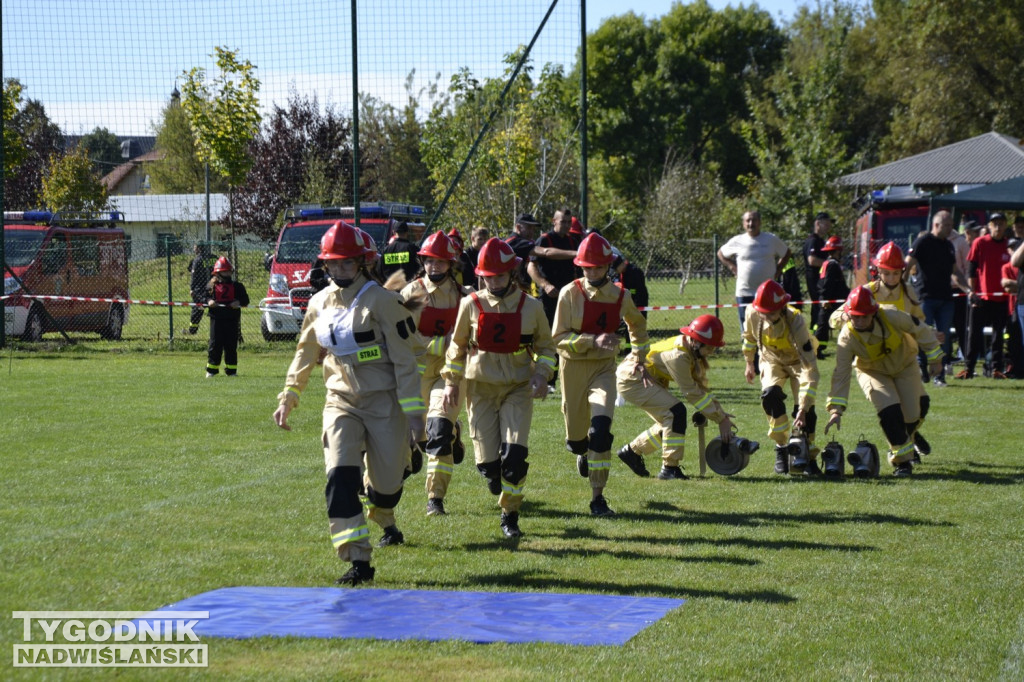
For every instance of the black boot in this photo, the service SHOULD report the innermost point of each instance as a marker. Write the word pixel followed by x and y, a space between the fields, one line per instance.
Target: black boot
pixel 781 459
pixel 392 536
pixel 361 572
pixel 634 461
pixel 510 524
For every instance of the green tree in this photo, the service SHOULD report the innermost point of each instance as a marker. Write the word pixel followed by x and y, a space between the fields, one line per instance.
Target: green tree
pixel 179 170
pixel 950 68
pixel 71 185
pixel 42 139
pixel 674 88
pixel 527 161
pixel 14 145
pixel 796 132
pixel 103 149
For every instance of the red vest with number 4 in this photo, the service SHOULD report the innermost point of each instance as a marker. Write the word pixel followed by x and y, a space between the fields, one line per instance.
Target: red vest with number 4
pixel 600 318
pixel 436 321
pixel 499 332
pixel 224 292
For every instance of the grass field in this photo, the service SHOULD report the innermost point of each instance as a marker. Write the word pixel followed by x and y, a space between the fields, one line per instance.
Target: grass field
pixel 131 482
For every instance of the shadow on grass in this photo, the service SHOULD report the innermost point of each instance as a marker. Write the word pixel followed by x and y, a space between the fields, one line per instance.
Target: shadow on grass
pixel 586 552
pixel 528 581
pixel 665 512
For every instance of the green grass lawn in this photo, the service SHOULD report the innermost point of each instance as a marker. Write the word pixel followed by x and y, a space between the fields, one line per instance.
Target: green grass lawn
pixel 130 482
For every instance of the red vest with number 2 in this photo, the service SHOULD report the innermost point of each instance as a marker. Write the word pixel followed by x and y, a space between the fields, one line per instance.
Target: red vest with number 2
pixel 499 332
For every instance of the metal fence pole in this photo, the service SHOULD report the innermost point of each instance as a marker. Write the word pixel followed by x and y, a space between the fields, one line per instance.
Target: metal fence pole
pixel 355 118
pixel 714 259
pixel 170 308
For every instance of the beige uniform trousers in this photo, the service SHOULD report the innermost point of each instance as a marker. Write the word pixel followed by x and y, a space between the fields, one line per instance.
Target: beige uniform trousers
pixel 378 426
pixel 774 374
pixel 499 413
pixel 906 390
pixel 439 469
pixel 588 390
pixel 657 401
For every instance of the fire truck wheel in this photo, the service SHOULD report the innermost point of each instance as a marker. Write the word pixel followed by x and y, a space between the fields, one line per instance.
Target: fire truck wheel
pixel 115 324
pixel 34 325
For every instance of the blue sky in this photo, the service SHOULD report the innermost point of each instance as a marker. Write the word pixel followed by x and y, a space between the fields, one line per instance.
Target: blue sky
pixel 113 63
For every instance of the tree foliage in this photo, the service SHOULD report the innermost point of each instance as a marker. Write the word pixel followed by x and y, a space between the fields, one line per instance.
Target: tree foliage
pixel 14 145
pixel 70 184
pixel 527 161
pixel 795 133
pixel 224 114
pixel 302 154
pixel 179 170
pixel 41 139
pixel 103 149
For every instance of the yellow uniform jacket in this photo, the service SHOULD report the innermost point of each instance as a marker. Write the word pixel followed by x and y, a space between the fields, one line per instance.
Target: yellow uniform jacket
pixel 576 344
pixel 430 319
pixel 670 360
pixel 787 343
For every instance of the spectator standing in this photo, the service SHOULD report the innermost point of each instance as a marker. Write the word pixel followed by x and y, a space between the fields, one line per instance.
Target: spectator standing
pixel 753 257
pixel 832 286
pixel 552 267
pixel 201 269
pixel 1017 261
pixel 399 254
pixel 478 236
pixel 521 241
pixel 970 230
pixel 985 262
pixel 935 258
pixel 814 258
pixel 225 298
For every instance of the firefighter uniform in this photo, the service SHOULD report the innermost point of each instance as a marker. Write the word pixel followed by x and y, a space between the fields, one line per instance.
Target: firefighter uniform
pixel 434 324
pixel 498 344
pixel 886 362
pixel 225 319
pixel 669 360
pixel 372 383
pixel 787 351
pixel 587 372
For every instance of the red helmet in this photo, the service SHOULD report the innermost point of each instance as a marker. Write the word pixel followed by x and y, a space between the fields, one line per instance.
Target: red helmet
pixel 575 226
pixel 456 238
pixel 861 302
pixel 594 252
pixel 770 297
pixel 707 329
pixel 834 243
pixel 222 265
pixel 890 257
pixel 438 245
pixel 371 247
pixel 496 257
pixel 342 240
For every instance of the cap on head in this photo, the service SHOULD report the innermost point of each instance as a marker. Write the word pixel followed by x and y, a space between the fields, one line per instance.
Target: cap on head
pixel 526 219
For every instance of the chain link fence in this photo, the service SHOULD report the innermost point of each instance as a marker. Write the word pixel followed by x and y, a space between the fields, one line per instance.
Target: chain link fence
pixel 76 293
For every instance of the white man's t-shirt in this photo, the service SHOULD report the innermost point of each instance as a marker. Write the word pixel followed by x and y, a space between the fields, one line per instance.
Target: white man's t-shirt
pixel 756 259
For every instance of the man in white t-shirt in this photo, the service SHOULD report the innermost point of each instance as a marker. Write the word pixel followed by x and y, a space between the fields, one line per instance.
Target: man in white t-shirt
pixel 754 257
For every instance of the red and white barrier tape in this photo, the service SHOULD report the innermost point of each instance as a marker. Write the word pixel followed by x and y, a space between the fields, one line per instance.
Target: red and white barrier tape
pixel 189 304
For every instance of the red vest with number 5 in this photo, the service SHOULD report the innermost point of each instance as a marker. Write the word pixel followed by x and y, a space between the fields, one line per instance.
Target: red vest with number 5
pixel 499 332
pixel 600 318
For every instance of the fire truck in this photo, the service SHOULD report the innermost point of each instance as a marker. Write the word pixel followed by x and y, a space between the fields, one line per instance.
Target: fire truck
pixel 297 246
pixel 896 214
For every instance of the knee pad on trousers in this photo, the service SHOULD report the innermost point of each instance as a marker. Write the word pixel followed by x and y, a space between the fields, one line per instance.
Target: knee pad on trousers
pixel 600 434
pixel 513 462
pixel 491 471
pixel 342 492
pixel 926 402
pixel 578 447
pixel 440 433
pixel 679 417
pixel 385 501
pixel 773 401
pixel 893 426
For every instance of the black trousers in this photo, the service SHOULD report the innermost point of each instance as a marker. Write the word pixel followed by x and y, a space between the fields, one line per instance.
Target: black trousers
pixel 983 314
pixel 223 341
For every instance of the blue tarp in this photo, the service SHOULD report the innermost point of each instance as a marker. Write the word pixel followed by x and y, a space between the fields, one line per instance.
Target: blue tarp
pixel 585 619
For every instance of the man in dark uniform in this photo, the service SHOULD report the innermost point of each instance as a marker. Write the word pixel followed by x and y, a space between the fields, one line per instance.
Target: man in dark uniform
pixel 400 254
pixel 521 241
pixel 552 267
pixel 201 268
pixel 814 258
